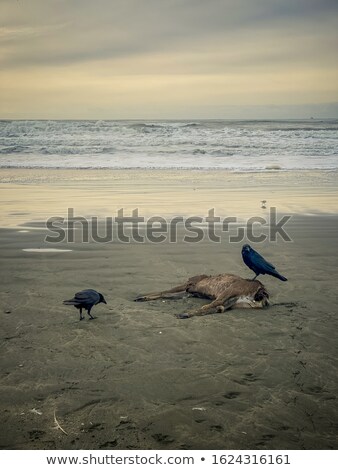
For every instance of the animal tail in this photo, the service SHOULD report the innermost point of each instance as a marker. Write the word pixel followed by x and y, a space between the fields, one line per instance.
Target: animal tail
pixel 70 302
pixel 277 275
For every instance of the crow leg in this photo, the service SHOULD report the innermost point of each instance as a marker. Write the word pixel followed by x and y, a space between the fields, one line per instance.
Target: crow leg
pixel 255 277
pixel 81 316
pixel 90 315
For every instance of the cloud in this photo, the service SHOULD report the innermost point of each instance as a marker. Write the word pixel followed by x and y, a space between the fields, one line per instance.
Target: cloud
pixel 86 30
pixel 22 33
pixel 135 56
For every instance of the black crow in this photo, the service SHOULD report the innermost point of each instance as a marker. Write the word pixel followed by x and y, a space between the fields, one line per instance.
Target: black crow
pixel 258 264
pixel 86 299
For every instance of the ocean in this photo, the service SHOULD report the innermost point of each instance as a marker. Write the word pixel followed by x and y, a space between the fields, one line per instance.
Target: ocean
pixel 201 144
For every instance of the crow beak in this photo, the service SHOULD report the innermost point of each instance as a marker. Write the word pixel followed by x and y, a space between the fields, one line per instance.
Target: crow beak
pixel 104 302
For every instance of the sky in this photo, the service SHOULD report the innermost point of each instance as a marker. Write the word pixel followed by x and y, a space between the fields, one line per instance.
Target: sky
pixel 168 59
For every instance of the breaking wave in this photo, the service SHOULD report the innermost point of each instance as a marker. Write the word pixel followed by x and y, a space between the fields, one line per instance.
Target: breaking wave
pixel 235 145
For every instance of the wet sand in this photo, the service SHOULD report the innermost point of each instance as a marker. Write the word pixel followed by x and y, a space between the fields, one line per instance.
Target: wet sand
pixel 139 378
pixel 38 194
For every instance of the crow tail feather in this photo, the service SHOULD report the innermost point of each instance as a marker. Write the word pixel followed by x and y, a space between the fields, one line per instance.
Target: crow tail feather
pixel 278 276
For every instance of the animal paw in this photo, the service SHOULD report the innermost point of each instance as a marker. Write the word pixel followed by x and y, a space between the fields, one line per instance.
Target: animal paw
pixel 142 298
pixel 182 316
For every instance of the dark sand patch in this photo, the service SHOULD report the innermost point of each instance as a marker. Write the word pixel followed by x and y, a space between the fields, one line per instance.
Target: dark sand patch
pixel 138 378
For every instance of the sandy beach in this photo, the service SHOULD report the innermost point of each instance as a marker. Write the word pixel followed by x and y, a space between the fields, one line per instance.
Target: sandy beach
pixel 37 194
pixel 137 377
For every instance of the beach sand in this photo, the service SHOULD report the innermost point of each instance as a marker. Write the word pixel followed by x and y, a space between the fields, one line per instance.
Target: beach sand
pixel 137 377
pixel 34 194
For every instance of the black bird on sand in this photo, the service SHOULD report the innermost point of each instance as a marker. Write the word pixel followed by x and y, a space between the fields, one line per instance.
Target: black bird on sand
pixel 86 299
pixel 258 264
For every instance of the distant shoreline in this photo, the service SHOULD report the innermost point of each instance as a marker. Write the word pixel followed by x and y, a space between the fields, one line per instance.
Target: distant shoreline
pixel 172 169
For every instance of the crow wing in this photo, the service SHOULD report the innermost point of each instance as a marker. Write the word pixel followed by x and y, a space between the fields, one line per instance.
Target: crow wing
pixel 260 262
pixel 85 297
pixel 247 259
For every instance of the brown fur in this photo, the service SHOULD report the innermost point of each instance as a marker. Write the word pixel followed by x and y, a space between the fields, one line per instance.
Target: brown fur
pixel 225 290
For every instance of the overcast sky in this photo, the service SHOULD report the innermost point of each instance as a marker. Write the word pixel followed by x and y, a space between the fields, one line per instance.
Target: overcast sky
pixel 111 59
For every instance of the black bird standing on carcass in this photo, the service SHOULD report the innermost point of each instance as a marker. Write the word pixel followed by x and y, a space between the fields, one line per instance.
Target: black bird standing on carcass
pixel 258 264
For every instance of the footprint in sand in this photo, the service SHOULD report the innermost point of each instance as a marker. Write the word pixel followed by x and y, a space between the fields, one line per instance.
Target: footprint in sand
pixel 163 438
pixel 36 434
pixel 216 427
pixel 266 438
pixel 108 445
pixel 231 395
pixel 249 377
